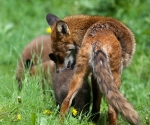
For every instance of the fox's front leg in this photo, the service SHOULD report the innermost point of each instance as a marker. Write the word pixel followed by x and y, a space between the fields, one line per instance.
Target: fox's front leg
pixel 76 84
pixel 81 72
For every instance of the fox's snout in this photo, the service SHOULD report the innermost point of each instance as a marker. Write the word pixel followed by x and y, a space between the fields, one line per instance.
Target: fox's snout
pixel 69 66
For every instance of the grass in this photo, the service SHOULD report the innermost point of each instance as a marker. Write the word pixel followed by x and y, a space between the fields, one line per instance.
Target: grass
pixel 21 21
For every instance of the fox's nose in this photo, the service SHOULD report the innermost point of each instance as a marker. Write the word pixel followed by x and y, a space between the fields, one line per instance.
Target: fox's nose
pixel 57 71
pixel 73 64
pixel 69 65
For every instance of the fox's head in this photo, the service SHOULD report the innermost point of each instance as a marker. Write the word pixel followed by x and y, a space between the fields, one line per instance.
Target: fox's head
pixel 63 45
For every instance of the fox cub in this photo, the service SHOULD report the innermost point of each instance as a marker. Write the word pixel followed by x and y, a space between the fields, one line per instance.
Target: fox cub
pixel 61 83
pixel 37 50
pixel 106 46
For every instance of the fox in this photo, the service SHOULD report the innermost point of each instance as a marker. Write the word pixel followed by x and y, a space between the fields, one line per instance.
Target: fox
pixel 46 70
pixel 60 85
pixel 34 53
pixel 113 44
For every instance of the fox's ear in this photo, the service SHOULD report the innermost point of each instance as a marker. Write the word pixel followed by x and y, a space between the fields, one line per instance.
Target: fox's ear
pixel 51 19
pixel 62 28
pixel 28 64
pixel 71 46
pixel 52 57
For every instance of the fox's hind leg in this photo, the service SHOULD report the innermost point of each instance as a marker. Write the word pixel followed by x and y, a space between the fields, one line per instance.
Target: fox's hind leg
pixel 96 100
pixel 112 114
pixel 116 73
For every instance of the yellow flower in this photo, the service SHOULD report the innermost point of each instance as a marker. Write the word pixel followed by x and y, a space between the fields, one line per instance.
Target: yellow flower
pixel 74 112
pixel 47 112
pixel 19 99
pixel 18 117
pixel 48 30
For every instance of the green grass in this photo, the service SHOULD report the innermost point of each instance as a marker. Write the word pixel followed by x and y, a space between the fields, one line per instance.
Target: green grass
pixel 23 20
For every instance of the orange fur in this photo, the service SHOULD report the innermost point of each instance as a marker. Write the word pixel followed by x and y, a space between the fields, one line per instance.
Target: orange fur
pixel 77 27
pixel 117 43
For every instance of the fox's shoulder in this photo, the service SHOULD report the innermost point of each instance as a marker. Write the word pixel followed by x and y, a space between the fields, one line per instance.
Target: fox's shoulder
pixel 84 20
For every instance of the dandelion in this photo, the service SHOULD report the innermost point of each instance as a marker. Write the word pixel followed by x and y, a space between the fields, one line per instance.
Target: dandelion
pixel 19 117
pixel 92 124
pixel 47 112
pixel 74 112
pixel 1 120
pixel 19 99
pixel 48 30
pixel 147 120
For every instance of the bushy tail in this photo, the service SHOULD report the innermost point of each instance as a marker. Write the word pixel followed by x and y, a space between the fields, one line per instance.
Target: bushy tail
pixel 102 72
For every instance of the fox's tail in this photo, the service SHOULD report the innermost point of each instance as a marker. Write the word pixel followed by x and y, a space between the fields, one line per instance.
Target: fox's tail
pixel 102 72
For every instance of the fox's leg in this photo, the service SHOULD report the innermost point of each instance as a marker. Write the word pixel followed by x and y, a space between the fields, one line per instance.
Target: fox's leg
pixel 112 114
pixel 19 83
pixel 96 100
pixel 76 84
pixel 117 78
pixel 81 72
pixel 43 86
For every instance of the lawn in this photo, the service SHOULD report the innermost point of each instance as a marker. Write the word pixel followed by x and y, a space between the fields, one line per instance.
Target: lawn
pixel 23 20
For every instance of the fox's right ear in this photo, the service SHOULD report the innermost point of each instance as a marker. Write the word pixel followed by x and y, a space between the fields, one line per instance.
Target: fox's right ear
pixel 62 28
pixel 51 19
pixel 28 64
pixel 52 57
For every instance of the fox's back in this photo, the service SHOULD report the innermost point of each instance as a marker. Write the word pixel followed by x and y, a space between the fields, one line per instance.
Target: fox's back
pixel 73 29
pixel 79 24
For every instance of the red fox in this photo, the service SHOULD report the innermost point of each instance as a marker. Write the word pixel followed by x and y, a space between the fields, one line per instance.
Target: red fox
pixel 61 83
pixel 106 47
pixel 46 70
pixel 37 50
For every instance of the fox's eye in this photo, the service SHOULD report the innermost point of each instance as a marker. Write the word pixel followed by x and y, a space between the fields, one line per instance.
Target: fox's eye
pixel 70 50
pixel 60 59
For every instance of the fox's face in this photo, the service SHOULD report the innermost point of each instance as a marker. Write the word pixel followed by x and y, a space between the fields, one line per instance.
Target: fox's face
pixel 63 46
pixel 64 59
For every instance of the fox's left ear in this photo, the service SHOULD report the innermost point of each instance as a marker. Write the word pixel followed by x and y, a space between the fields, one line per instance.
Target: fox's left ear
pixel 52 57
pixel 62 28
pixel 51 19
